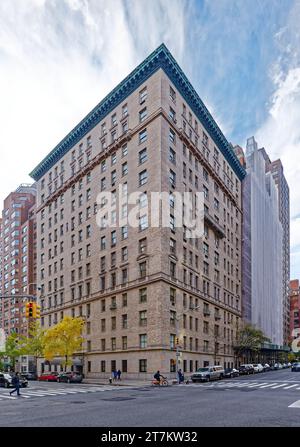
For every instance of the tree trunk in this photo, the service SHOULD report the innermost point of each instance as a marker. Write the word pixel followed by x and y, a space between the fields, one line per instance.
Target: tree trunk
pixel 66 363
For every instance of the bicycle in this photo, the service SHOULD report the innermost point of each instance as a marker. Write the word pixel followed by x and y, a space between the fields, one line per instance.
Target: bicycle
pixel 162 382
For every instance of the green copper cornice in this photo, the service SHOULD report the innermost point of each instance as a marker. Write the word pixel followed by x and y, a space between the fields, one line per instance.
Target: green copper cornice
pixel 160 58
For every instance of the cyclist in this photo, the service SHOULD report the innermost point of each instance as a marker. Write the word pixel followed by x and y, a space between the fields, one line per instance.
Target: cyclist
pixel 157 376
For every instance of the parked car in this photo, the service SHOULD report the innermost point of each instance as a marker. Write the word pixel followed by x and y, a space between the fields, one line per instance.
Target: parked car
pixel 267 367
pixel 6 380
pixel 246 369
pixel 206 374
pixel 70 377
pixel 30 375
pixel 231 372
pixel 258 368
pixel 296 367
pixel 48 377
pixel 277 366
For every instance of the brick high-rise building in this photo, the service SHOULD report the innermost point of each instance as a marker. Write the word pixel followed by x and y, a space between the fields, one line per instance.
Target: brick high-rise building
pixel 18 257
pixel 294 308
pixel 137 287
pixel 262 292
pixel 276 169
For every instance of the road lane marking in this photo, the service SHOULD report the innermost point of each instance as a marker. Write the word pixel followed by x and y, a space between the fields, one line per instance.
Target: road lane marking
pixel 295 404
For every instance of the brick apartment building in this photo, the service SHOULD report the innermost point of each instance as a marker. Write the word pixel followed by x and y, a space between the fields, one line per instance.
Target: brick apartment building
pixel 137 287
pixel 17 260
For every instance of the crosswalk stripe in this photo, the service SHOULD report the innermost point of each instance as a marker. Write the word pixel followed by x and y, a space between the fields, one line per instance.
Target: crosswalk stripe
pixel 253 385
pixel 8 397
pixel 270 384
pixel 278 386
pixel 290 386
pixel 33 393
pixel 259 385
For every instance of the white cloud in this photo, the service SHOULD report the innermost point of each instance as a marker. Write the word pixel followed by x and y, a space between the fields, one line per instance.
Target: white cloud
pixel 280 134
pixel 59 58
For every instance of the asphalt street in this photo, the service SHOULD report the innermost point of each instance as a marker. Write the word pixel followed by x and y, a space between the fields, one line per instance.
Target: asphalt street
pixel 269 399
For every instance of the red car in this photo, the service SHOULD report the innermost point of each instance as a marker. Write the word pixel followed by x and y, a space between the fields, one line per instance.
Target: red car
pixel 48 377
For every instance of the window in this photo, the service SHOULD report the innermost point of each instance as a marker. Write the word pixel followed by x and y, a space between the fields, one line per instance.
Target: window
pixel 124 345
pixel 143 177
pixel 172 269
pixel 143 269
pixel 172 94
pixel 172 156
pixel 143 95
pixel 113 177
pixel 124 275
pixel 113 158
pixel 114 119
pixel 143 245
pixel 143 365
pixel 172 178
pixel 143 222
pixel 113 238
pixel 143 340
pixel 172 246
pixel 124 254
pixel 124 150
pixel 124 110
pixel 103 184
pixel 172 296
pixel 124 232
pixel 124 169
pixel 143 136
pixel 143 318
pixel 143 115
pixel 172 137
pixel 172 114
pixel 124 321
pixel 143 156
pixel 143 295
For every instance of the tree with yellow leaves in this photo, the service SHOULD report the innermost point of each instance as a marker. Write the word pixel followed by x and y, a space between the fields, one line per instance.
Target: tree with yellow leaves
pixel 64 339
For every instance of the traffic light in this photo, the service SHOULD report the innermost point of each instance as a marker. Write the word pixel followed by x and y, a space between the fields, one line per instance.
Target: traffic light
pixel 37 311
pixel 29 309
pixel 176 341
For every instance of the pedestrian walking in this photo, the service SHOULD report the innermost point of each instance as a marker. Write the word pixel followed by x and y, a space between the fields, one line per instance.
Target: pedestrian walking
pixel 119 374
pixel 115 373
pixel 180 376
pixel 16 383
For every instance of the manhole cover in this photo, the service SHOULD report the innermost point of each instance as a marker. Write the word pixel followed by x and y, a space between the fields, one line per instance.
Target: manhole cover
pixel 119 399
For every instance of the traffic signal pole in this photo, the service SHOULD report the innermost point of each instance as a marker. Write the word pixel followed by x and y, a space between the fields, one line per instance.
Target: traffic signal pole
pixel 177 340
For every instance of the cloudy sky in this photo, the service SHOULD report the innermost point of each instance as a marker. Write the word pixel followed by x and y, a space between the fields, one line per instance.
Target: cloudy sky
pixel 59 58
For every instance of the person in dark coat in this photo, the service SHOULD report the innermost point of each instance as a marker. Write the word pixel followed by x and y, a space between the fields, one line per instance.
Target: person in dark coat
pixel 119 374
pixel 16 383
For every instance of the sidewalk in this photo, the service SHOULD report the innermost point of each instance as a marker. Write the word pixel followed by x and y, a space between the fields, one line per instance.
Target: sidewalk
pixel 125 382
